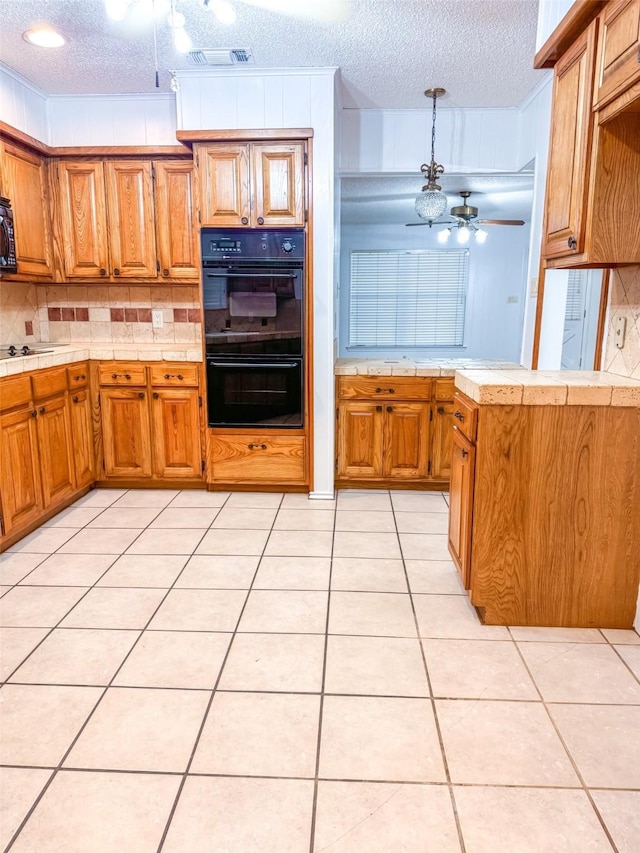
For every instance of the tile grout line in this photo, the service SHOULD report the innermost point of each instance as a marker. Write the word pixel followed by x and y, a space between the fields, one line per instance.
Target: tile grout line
pixel 443 754
pixel 314 805
pixel 620 657
pixel 213 692
pixel 556 728
pixel 67 752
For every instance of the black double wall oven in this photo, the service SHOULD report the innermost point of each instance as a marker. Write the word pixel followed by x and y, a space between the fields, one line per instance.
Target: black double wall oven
pixel 254 309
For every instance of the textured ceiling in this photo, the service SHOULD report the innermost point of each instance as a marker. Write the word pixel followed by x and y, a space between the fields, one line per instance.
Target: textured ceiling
pixel 389 51
pixel 369 201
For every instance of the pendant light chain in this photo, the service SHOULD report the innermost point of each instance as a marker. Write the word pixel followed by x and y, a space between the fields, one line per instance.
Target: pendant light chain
pixel 433 132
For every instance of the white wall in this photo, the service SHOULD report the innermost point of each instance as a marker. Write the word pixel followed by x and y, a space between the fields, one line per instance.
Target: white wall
pixel 496 271
pixel 287 98
pixel 22 105
pixel 550 13
pixel 394 141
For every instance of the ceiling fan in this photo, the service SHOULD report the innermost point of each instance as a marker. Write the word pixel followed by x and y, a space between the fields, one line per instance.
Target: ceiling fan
pixel 463 220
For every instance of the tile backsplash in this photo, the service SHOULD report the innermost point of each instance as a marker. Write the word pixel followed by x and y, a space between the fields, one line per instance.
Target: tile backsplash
pixel 78 313
pixel 19 319
pixel 624 301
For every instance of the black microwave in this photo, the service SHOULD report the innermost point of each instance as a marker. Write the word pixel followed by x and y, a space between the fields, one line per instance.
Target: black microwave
pixel 8 261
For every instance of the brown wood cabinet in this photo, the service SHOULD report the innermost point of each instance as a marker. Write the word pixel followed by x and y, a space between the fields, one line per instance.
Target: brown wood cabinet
pixel 130 214
pixel 82 435
pixel 545 526
pixel 393 430
pixel 257 458
pixel 20 489
pixel 251 184
pixel 56 449
pixel 151 421
pixel 618 64
pixel 24 182
pixel 594 156
pixel 176 220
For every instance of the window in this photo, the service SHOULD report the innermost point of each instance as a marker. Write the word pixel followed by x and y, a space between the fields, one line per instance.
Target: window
pixel 414 298
pixel 576 294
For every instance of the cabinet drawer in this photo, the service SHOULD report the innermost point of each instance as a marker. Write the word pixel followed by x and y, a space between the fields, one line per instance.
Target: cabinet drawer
pixel 46 383
pixel 465 413
pixel 445 388
pixel 176 375
pixel 122 373
pixel 257 458
pixel 14 392
pixel 78 375
pixel 384 387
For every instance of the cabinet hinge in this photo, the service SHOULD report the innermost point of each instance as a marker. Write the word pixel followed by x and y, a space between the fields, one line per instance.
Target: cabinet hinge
pixel 157 265
pixel 336 464
pixel 98 400
pixel 429 467
pixel 197 160
pixel 430 414
pixel 306 216
pixel 203 466
pixel 153 172
pixel 200 402
pixel 103 467
pixel 337 414
pixel 199 217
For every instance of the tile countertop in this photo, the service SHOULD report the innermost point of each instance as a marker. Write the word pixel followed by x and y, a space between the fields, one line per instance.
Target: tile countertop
pixel 548 387
pixel 69 353
pixel 409 367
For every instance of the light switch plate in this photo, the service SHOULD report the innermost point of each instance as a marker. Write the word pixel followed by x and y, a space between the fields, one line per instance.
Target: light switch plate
pixel 620 330
pixel 157 319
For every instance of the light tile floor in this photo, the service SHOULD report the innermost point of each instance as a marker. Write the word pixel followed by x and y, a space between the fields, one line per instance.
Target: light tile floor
pixel 192 671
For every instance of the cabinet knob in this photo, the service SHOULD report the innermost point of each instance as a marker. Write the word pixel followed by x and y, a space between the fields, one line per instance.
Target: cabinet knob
pixel 34 414
pixel 165 272
pixel 174 376
pixel 42 410
pixel 244 220
pixel 260 221
pixel 103 271
pixel 263 446
pixel 250 446
pixel 116 271
pixel 441 410
pixel 459 416
pixel 572 242
pixel 76 399
pixel 141 395
pixel 464 453
pixel 80 376
pixel 378 408
pixel 155 395
pixel 389 408
pixel 385 390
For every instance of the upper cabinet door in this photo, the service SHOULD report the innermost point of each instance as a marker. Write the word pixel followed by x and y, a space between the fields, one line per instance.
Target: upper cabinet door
pixel 82 217
pixel 570 149
pixel 176 225
pixel 618 49
pixel 224 181
pixel 26 186
pixel 278 183
pixel 131 219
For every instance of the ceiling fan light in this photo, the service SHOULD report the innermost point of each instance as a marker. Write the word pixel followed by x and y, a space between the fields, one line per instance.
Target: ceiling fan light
pixel 44 37
pixel 116 9
pixel 443 236
pixel 181 40
pixel 463 235
pixel 176 20
pixel 223 10
pixel 431 204
pixel 481 236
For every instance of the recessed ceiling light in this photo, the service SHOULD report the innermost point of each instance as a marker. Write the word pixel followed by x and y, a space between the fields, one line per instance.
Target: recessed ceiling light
pixel 44 37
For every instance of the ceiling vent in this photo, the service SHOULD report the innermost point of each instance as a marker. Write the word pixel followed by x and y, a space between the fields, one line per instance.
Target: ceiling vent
pixel 222 56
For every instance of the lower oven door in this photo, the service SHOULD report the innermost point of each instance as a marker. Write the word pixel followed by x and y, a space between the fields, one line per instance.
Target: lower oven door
pixel 255 392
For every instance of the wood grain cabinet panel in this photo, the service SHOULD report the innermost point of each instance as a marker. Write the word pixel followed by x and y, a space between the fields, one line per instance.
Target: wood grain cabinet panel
pixel 360 440
pixel 251 184
pixel 82 436
pixel 405 440
pixel 26 185
pixel 259 458
pixel 176 220
pixel 126 433
pixel 82 218
pixel 442 421
pixel 618 62
pixel 20 490
pixel 131 219
pixel 175 416
pixel 461 503
pixel 570 149
pixel 55 450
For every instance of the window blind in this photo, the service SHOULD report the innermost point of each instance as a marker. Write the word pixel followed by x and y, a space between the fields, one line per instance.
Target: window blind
pixel 414 298
pixel 575 295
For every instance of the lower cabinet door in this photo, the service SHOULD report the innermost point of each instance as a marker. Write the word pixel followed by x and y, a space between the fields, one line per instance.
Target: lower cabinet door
pixel 461 503
pixel 441 436
pixel 20 490
pixel 257 459
pixel 56 450
pixel 82 435
pixel 126 433
pixel 176 433
pixel 406 441
pixel 360 440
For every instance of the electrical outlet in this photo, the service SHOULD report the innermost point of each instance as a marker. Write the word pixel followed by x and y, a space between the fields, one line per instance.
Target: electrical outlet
pixel 512 299
pixel 620 330
pixel 157 319
pixel 533 287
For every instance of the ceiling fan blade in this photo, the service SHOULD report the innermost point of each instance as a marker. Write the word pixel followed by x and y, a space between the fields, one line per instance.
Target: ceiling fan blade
pixel 499 222
pixel 411 224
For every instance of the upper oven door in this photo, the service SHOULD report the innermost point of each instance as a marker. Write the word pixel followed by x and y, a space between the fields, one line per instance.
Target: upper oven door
pixel 254 308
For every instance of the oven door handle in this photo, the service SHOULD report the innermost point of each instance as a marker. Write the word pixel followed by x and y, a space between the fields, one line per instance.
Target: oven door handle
pixel 252 364
pixel 252 275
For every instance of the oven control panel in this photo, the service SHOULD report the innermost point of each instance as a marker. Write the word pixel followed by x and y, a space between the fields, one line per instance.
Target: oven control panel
pixel 251 244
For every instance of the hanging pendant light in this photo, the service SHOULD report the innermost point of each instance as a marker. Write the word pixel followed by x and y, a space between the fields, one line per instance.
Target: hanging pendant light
pixel 432 202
